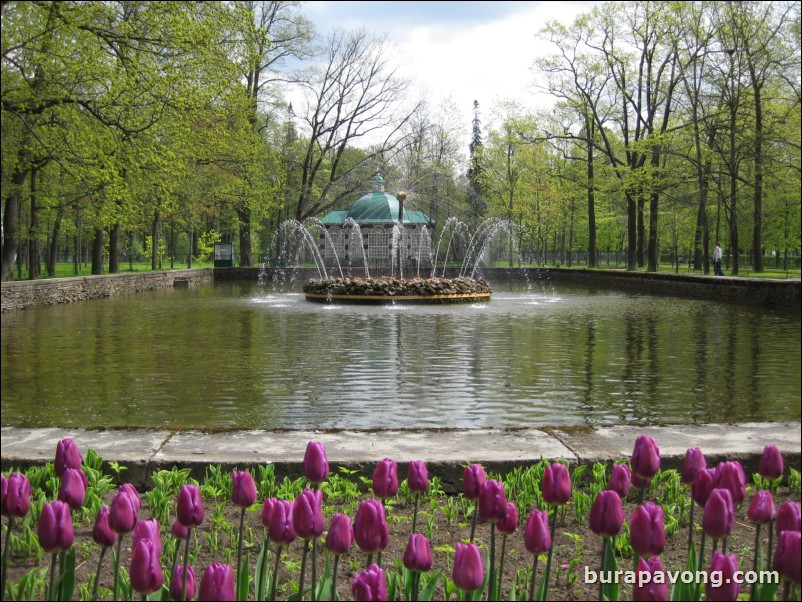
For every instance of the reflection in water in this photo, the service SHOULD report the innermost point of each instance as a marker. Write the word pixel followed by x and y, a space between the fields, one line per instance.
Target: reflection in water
pixel 237 355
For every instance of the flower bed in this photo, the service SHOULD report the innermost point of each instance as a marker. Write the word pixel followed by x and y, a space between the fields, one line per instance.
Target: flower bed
pixel 402 538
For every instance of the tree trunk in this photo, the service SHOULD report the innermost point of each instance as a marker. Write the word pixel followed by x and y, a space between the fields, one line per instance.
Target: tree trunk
pixel 114 249
pixel 757 237
pixel 245 255
pixel 641 232
pixel 97 252
pixel 154 241
pixel 10 225
pixel 591 211
pixel 53 251
pixel 632 234
pixel 34 259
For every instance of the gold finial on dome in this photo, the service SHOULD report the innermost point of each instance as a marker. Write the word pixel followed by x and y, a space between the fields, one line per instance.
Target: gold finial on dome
pixel 401 196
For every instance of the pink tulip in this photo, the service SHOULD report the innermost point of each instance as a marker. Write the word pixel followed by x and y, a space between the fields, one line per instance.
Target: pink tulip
pixel 370 584
pixel 789 517
pixel 217 582
pixel 606 514
pixel 102 533
pixel 316 464
pixel 385 479
pixel 537 535
pixel 67 456
pixel 122 517
pixel 177 583
pixel 418 553
pixel 771 465
pixel 55 527
pixel 647 530
pixel 787 558
pixel 340 537
pixel 645 457
pixel 370 527
pixel 190 506
pixel 307 514
pixel 510 521
pixel 718 515
pixel 620 480
pixel 243 489
pixel 16 495
pixel 725 566
pixel 492 502
pixel 281 530
pixel 694 462
pixel 761 509
pixel 556 485
pixel 469 570
pixel 417 476
pixel 648 586
pixel 73 488
pixel 473 477
pixel 730 476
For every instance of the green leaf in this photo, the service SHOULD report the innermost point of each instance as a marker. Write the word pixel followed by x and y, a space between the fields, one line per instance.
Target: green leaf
pixel 427 591
pixel 610 591
pixel 243 580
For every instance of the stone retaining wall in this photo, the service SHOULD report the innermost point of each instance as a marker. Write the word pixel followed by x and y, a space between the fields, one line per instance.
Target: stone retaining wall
pixel 51 291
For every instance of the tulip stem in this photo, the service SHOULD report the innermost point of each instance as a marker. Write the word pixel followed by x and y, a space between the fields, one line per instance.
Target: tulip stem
pixel 116 585
pixel 333 593
pixel 501 565
pixel 239 543
pixel 492 590
pixel 415 586
pixel 186 570
pixel 51 594
pixel 551 549
pixel 415 513
pixel 473 526
pixel 370 559
pixel 690 528
pixel 771 541
pixel 260 595
pixel 275 574
pixel 303 570
pixel 6 549
pixel 605 543
pixel 314 568
pixel 97 576
pixel 532 580
pixel 754 561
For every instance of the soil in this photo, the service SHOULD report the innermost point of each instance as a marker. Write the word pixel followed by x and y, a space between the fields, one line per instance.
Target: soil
pixel 575 546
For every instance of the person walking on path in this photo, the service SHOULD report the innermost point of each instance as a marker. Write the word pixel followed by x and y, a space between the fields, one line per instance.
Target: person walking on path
pixel 717 260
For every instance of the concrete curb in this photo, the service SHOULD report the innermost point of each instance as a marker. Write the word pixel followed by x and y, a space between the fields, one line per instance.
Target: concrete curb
pixel 445 451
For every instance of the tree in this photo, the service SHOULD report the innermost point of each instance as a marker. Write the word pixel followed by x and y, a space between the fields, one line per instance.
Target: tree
pixel 475 195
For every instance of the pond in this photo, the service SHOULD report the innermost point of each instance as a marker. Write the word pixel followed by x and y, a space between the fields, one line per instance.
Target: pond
pixel 248 356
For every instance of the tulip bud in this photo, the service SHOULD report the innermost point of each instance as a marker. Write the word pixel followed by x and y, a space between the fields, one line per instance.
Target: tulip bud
pixel 771 465
pixel 417 476
pixel 146 571
pixel 606 514
pixel 726 566
pixel 177 583
pixel 179 530
pixel 789 518
pixel 694 462
pixel 761 509
pixel 620 480
pixel 16 495
pixel 473 477
pixel 149 529
pixel 340 537
pixel 72 490
pixel 650 588
pixel 469 570
pixel 385 479
pixel 492 502
pixel 647 530
pixel 281 530
pixel 190 506
pixel 510 521
pixel 718 514
pixel 267 510
pixel 730 476
pixel 307 514
pixel 645 457
pixel 702 486
pixel 243 489
pixel 123 512
pixel 370 584
pixel 787 558
pixel 556 485
pixel 537 535
pixel 418 553
pixel 217 582
pixel 55 527
pixel 102 532
pixel 316 464
pixel 67 456
pixel 370 527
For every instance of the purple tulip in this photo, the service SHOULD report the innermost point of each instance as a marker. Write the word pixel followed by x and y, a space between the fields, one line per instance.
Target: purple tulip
pixel 647 530
pixel 761 509
pixel 510 521
pixel 620 480
pixel 385 479
pixel 179 530
pixel 177 583
pixel 418 553
pixel 492 502
pixel 645 457
pixel 281 530
pixel 789 517
pixel 771 465
pixel 725 566
pixel 537 535
pixel 702 486
pixel 73 488
pixel 307 514
pixel 417 476
pixel 267 510
pixel 647 586
pixel 146 571
pixel 316 464
pixel 787 558
pixel 123 512
pixel 606 514
pixel 469 570
pixel 340 537
pixel 190 505
pixel 730 476
pixel 55 527
pixel 243 489
pixel 694 462
pixel 639 482
pixel 16 495
pixel 370 527
pixel 102 532
pixel 217 582
pixel 472 479
pixel 149 529
pixel 67 456
pixel 718 515
pixel 556 485
pixel 370 584
pixel 131 491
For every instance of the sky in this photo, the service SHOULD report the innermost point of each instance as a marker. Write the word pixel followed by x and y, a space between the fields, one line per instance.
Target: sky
pixel 467 51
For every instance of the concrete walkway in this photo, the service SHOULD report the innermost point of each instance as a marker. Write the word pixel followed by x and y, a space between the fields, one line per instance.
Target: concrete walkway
pixel 444 451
